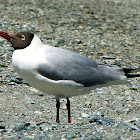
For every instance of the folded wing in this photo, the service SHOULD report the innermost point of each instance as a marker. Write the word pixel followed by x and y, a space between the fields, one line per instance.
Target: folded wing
pixel 60 64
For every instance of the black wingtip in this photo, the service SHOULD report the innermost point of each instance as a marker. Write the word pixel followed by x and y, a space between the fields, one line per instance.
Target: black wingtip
pixel 129 72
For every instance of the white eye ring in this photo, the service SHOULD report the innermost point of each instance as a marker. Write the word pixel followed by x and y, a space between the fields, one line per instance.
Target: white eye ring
pixel 23 37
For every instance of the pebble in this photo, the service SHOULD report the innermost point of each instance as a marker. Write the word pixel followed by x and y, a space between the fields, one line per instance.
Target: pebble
pixel 19 127
pixel 84 115
pixel 16 81
pixel 131 127
pixel 63 139
pixel 3 64
pixel 97 135
pixel 63 107
pixel 102 120
pixel 100 113
pixel 12 83
pixel 33 89
pixel 108 57
pixel 54 127
pixel 58 43
pixel 137 123
pixel 45 127
pixel 2 127
pixel 38 113
pixel 61 42
pixel 29 138
pixel 12 137
pixel 126 111
pixel 88 104
pixel 77 41
pixel 33 126
pixel 40 136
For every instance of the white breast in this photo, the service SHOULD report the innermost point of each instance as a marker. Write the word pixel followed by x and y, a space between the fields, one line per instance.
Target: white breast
pixel 26 65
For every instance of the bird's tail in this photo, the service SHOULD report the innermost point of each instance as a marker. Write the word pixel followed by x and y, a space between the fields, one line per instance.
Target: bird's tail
pixel 130 73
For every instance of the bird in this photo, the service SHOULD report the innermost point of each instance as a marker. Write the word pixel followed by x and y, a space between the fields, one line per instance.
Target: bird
pixel 60 72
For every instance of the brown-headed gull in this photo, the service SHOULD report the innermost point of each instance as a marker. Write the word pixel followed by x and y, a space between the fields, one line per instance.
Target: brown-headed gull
pixel 60 72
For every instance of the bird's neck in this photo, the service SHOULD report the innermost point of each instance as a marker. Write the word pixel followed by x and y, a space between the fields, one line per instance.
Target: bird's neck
pixel 36 43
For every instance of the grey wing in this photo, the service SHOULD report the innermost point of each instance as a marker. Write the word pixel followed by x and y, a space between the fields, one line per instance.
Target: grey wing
pixel 66 65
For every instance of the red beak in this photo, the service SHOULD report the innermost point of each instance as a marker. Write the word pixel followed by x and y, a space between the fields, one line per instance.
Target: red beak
pixel 6 35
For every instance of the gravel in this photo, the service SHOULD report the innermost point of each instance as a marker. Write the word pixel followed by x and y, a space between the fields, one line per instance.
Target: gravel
pixel 107 31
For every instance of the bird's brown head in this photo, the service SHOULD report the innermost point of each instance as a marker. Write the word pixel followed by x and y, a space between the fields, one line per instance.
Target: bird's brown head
pixel 18 40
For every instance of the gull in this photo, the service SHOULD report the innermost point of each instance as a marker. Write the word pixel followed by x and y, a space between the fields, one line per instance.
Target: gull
pixel 60 72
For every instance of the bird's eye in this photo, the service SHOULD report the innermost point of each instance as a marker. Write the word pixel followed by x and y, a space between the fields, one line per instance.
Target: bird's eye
pixel 22 37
